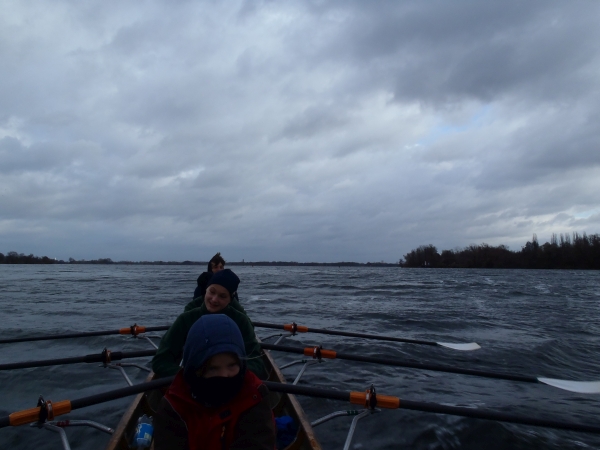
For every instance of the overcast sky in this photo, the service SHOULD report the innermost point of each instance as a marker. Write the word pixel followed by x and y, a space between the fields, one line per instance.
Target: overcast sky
pixel 290 130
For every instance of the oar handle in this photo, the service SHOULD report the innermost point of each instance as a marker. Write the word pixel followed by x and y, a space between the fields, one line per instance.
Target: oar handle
pixel 32 414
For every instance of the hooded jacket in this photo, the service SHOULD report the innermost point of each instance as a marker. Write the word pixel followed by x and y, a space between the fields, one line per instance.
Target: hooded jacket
pixel 245 423
pixel 203 280
pixel 202 283
pixel 184 422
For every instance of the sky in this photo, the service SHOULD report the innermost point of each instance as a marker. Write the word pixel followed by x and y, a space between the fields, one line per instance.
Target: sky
pixel 296 131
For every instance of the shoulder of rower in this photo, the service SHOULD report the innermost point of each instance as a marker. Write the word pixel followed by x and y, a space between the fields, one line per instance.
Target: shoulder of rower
pixel 188 318
pixel 237 316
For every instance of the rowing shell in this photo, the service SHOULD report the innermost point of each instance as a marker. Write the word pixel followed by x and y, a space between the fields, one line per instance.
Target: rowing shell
pixel 284 405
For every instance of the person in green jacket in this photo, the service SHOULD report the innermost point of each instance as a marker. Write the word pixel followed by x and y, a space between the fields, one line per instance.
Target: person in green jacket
pixel 197 302
pixel 218 298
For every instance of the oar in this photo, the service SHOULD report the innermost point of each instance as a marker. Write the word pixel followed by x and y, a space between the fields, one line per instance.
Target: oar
pixel 369 399
pixel 293 328
pixel 66 406
pixel 136 329
pixel 133 330
pixel 581 387
pixel 105 357
pixel 374 400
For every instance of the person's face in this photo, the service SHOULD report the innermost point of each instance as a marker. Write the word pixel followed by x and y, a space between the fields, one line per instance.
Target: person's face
pixel 216 267
pixel 221 365
pixel 216 298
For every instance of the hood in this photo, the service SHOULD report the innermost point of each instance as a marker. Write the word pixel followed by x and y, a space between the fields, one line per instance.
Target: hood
pixel 212 334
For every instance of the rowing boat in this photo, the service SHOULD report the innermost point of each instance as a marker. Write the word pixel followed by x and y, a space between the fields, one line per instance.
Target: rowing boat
pixel 283 405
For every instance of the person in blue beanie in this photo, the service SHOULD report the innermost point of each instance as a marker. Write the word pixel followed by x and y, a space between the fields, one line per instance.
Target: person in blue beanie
pixel 214 401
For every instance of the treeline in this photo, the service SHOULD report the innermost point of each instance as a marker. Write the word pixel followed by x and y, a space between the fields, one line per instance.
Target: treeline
pixel 21 258
pixel 562 252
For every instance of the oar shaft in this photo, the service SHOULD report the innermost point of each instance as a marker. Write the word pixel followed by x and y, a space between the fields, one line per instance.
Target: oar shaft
pixel 371 336
pixel 436 408
pixel 308 391
pixel 409 364
pixel 299 350
pixel 78 335
pixel 257 324
pixel 97 357
pixel 437 368
pixel 120 393
pixel 59 336
pixel 487 414
pixel 345 333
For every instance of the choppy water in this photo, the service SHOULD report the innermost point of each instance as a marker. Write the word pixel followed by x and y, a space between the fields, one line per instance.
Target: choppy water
pixel 542 323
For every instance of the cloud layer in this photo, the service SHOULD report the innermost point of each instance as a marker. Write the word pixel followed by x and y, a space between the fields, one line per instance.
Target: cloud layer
pixel 308 131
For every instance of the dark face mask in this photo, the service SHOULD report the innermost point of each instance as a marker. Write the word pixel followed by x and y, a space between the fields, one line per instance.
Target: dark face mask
pixel 215 391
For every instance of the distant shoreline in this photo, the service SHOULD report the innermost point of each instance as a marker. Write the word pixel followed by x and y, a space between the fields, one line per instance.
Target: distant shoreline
pixel 563 252
pixel 15 258
pixel 238 263
pixel 579 252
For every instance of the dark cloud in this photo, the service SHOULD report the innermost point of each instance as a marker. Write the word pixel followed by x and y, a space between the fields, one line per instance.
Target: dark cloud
pixel 439 52
pixel 298 130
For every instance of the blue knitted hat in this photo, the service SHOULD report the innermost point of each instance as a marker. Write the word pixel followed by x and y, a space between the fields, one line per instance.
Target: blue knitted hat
pixel 210 335
pixel 227 279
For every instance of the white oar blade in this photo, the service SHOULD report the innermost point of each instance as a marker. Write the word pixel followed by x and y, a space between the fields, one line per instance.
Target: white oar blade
pixel 462 347
pixel 581 387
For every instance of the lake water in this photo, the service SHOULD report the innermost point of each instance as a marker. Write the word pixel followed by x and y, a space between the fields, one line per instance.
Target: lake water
pixel 541 323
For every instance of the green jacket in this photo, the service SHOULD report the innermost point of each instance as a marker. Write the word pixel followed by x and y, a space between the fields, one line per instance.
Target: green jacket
pixel 199 301
pixel 170 351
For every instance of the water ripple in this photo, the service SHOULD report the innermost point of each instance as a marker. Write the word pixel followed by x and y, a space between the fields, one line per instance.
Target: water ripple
pixel 541 323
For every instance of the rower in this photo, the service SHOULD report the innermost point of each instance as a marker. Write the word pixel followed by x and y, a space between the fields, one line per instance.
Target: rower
pixel 215 265
pixel 218 299
pixel 214 401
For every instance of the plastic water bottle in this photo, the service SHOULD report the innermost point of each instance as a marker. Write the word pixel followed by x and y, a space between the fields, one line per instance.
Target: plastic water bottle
pixel 143 433
pixel 286 431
